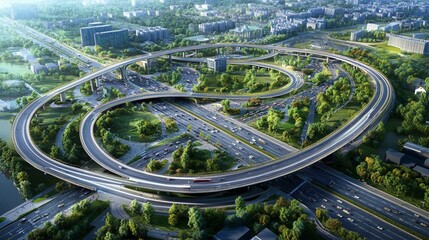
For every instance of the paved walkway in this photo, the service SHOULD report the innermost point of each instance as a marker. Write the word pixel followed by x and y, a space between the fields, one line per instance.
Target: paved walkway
pixel 26 206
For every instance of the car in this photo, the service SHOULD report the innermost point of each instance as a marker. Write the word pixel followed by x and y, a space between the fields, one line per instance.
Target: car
pixel 339 207
pixel 23 220
pixel 350 219
pixel 323 206
pixel 339 215
pixel 45 214
pixel 60 205
pixel 356 196
pixel 379 228
pixel 415 214
pixel 339 201
pixel 325 200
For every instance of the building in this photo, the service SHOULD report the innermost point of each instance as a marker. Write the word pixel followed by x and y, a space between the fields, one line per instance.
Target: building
pixel 37 68
pixel 87 34
pixel 153 34
pixel 220 26
pixel 356 35
pixel 409 44
pixel 247 32
pixel 391 27
pixel 136 3
pixel 51 66
pixel 265 234
pixel 316 23
pixel 23 11
pixel 420 35
pixel 372 27
pixel 423 171
pixel 217 64
pixel 333 12
pixel 93 24
pixel 417 149
pixel 114 39
pixel 394 156
pixel 237 233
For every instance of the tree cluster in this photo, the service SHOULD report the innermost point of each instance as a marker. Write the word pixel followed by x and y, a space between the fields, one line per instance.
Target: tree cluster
pixel 271 121
pixel 285 218
pixel 400 180
pixel 332 98
pixel 171 125
pixel 72 226
pixel 193 160
pixel 115 229
pixel 334 226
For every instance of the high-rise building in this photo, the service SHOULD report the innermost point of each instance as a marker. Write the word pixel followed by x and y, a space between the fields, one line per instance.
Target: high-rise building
pixel 23 11
pixel 217 64
pixel 356 35
pixel 87 34
pixel 136 3
pixel 152 33
pixel 409 44
pixel 114 39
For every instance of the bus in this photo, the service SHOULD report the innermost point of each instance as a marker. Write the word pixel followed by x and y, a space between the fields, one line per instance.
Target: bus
pixel 200 180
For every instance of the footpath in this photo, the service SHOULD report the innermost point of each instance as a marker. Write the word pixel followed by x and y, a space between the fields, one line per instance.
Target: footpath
pixel 13 214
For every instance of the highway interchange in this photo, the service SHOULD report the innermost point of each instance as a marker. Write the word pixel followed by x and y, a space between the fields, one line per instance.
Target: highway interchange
pixel 108 185
pixel 380 104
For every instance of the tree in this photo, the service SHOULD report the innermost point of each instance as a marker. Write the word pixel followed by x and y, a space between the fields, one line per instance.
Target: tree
pixel 333 224
pixel 135 207
pixel 196 219
pixel 148 213
pixel 239 204
pixel 124 229
pixel 134 227
pixel 24 186
pixel 225 105
pixel 55 152
pixel 321 214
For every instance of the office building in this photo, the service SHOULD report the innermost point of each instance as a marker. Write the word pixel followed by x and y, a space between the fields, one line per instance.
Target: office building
pixel 87 34
pixel 316 23
pixel 247 32
pixel 409 44
pixel 217 64
pixel 153 34
pixel 372 27
pixel 220 26
pixel 136 3
pixel 23 11
pixel 114 39
pixel 356 35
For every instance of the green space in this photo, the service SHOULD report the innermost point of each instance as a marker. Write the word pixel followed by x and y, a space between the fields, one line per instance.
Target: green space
pixel 75 225
pixel 26 213
pixel 2 219
pixel 288 131
pixel 334 226
pixel 193 160
pixel 239 79
pixel 303 45
pixel 44 197
pixel 129 124
pixel 384 46
pixel 14 68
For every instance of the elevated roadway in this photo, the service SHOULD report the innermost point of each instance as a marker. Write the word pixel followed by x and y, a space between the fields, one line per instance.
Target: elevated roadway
pixel 379 105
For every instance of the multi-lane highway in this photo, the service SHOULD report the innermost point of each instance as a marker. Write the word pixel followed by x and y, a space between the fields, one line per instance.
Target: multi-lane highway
pixel 379 105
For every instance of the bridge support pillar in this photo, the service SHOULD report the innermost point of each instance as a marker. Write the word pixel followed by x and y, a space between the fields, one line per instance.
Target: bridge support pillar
pixel 196 53
pixel 183 54
pixel 123 71
pixel 63 97
pixel 169 58
pixel 97 82
pixel 91 82
pixel 327 59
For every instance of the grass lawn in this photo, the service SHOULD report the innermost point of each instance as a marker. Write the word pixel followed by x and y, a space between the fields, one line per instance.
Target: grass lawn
pixel 390 139
pixel 388 48
pixel 50 114
pixel 213 82
pixel 124 126
pixel 49 194
pixel 284 126
pixel 304 45
pixel 2 219
pixel 342 115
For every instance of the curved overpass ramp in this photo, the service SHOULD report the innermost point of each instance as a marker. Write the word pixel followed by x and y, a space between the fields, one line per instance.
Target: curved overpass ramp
pixel 378 106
